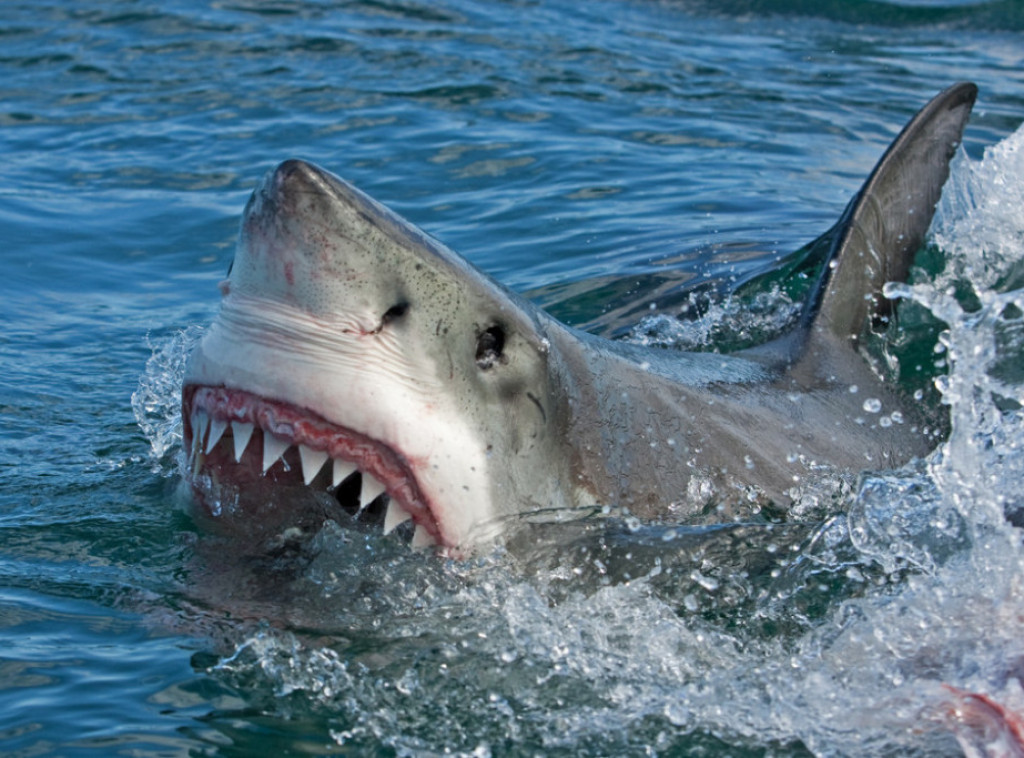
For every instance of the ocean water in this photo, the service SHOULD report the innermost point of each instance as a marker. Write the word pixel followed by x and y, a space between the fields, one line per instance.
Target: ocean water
pixel 609 159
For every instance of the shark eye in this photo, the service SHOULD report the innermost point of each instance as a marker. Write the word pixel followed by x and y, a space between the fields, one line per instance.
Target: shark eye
pixel 489 347
pixel 394 312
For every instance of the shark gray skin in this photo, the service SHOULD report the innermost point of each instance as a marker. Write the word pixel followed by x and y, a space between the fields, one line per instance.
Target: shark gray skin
pixel 357 361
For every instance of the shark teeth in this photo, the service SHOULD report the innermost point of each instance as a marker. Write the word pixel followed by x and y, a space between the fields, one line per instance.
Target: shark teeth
pixel 242 434
pixel 273 449
pixel 395 516
pixel 217 427
pixel 312 462
pixel 342 471
pixel 370 491
pixel 421 538
pixel 199 425
pixel 208 432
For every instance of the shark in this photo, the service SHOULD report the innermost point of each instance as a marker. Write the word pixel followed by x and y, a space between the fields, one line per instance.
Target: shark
pixel 359 369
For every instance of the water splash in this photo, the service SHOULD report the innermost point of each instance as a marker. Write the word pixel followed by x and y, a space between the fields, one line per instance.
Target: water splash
pixel 157 400
pixel 978 221
pixel 981 225
pixel 733 321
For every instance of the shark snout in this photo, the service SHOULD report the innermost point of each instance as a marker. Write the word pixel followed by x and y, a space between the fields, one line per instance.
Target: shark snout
pixel 288 197
pixel 293 178
pixel 313 242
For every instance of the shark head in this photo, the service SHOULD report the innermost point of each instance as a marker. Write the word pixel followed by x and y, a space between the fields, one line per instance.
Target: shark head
pixel 358 363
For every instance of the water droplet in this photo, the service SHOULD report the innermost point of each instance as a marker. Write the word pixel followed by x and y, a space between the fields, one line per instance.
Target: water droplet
pixel 707 582
pixel 873 405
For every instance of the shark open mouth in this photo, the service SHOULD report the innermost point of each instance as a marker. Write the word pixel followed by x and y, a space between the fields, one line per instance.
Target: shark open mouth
pixel 268 451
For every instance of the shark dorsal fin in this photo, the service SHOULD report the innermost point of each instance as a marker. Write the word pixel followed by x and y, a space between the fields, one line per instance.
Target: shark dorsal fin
pixel 875 240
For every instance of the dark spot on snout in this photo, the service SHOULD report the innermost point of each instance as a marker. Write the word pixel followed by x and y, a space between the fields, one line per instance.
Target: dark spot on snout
pixel 490 347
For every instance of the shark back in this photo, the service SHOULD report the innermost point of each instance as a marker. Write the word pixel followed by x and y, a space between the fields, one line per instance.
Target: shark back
pixel 757 421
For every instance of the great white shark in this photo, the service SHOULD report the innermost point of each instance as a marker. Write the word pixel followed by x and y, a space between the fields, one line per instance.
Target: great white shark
pixel 359 366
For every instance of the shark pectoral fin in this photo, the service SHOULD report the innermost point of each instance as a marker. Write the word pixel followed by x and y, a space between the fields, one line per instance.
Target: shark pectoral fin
pixel 884 225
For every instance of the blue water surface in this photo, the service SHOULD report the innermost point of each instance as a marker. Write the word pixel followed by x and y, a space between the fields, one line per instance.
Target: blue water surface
pixel 603 157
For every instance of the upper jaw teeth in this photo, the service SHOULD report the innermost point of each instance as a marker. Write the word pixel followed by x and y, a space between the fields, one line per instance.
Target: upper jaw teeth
pixel 341 471
pixel 370 491
pixel 395 516
pixel 217 427
pixel 242 434
pixel 211 430
pixel 273 449
pixel 200 423
pixel 312 461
